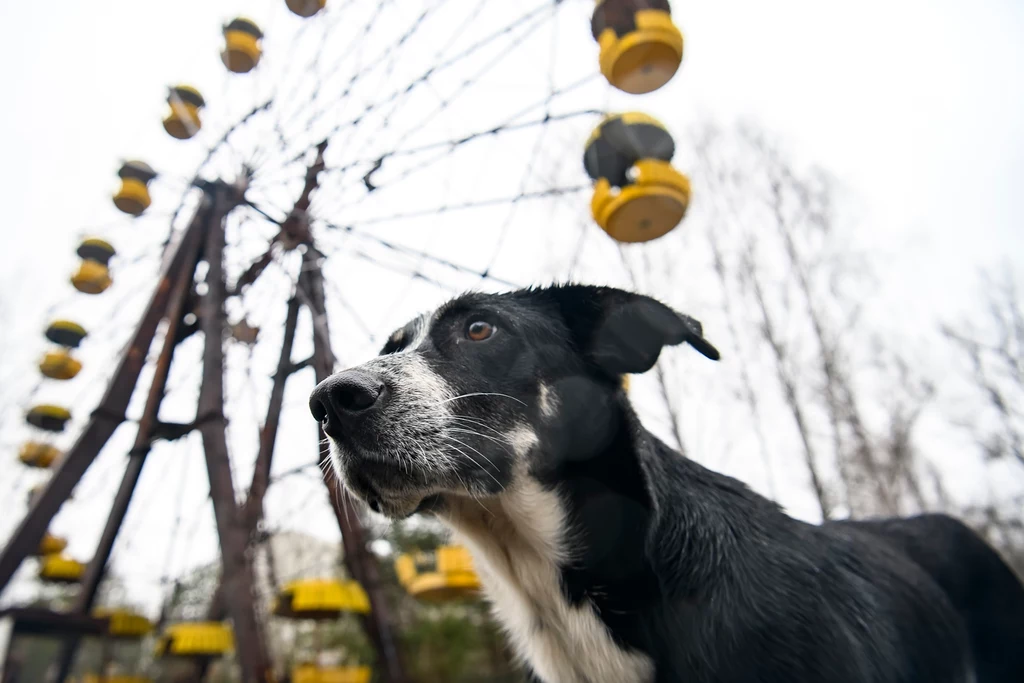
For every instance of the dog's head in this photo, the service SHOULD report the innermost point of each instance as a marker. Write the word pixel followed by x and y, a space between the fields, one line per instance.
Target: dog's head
pixel 491 387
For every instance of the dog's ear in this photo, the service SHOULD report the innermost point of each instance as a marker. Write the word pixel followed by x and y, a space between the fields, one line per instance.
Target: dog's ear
pixel 622 332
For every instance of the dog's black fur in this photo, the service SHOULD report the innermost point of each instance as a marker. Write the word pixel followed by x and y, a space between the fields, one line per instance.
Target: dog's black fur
pixel 711 581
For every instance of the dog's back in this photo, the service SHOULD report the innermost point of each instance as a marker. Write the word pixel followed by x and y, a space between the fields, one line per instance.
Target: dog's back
pixel 982 588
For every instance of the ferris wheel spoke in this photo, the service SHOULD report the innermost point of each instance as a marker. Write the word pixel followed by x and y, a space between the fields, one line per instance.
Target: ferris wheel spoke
pixel 464 206
pixel 410 251
pixel 435 69
pixel 445 102
pixel 313 113
pixel 291 110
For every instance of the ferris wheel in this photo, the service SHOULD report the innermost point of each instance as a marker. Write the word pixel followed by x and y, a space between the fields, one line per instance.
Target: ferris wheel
pixel 344 165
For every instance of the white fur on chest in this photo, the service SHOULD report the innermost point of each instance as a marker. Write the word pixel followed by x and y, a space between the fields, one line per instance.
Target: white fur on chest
pixel 517 542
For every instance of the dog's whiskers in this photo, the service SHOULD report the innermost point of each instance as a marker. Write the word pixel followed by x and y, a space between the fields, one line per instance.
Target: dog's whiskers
pixel 500 485
pixel 501 442
pixel 480 393
pixel 476 422
pixel 465 486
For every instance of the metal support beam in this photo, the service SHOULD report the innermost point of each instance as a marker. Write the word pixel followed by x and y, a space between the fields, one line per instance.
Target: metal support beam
pixel 360 564
pixel 236 566
pixel 181 288
pixel 105 419
pixel 253 508
pixel 268 435
pixel 301 365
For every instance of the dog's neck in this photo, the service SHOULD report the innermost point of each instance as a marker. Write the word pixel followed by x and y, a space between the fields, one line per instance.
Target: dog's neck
pixel 520 544
pixel 592 517
pixel 563 552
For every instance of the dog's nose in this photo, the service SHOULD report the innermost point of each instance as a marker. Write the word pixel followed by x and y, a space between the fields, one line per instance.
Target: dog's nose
pixel 344 397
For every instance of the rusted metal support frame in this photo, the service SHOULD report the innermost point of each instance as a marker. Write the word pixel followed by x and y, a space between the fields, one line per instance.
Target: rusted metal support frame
pixel 378 624
pixel 268 435
pixel 109 414
pixel 236 569
pixel 253 508
pixel 180 292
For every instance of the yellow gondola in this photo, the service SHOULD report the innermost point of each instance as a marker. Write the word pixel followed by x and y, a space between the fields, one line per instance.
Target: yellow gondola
pixel 133 196
pixel 124 624
pixel 60 365
pixel 320 599
pixel 96 250
pixel 620 140
pixel 445 574
pixel 51 545
pixel 66 333
pixel 641 49
pixel 638 195
pixel 198 639
pixel 36 453
pixel 305 8
pixel 60 569
pixel 310 673
pixel 183 121
pixel 242 49
pixel 653 204
pixel 91 278
pixel 48 417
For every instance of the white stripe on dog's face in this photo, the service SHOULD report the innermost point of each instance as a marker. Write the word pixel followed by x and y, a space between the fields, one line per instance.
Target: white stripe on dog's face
pixel 546 400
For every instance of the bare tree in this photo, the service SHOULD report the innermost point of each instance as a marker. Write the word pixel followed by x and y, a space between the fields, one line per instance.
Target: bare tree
pixel 790 297
pixel 995 349
pixel 992 343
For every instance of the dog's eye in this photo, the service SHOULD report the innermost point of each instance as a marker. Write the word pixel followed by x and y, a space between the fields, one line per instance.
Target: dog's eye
pixel 478 330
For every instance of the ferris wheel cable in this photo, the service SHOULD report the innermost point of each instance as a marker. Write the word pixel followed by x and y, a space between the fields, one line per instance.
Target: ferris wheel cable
pixel 392 56
pixel 449 145
pixel 332 286
pixel 453 143
pixel 98 478
pixel 15 485
pixel 299 469
pixel 431 71
pixel 585 232
pixel 327 22
pixel 210 152
pixel 125 541
pixel 445 103
pixel 305 104
pixel 302 506
pixel 198 514
pixel 465 206
pixel 425 255
pixel 388 59
pixel 432 160
pixel 416 272
pixel 528 172
pixel 337 64
pixel 176 523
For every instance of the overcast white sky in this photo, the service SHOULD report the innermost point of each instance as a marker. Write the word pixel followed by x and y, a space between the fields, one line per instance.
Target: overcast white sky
pixel 915 106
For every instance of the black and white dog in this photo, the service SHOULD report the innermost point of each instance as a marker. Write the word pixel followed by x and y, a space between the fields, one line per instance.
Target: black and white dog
pixel 609 557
